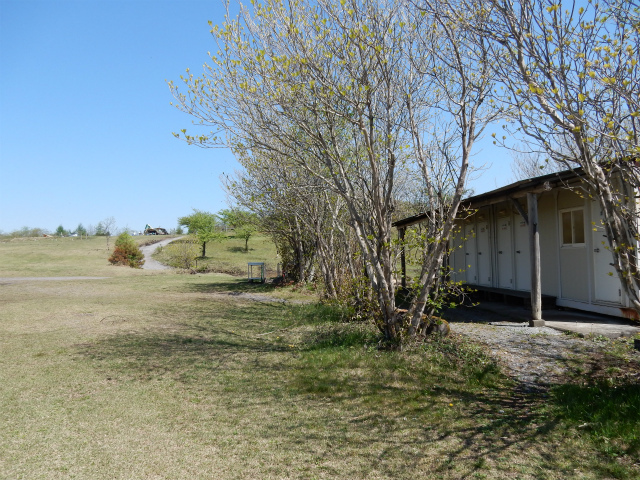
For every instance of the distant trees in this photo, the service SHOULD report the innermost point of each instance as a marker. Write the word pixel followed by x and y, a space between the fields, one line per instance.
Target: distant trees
pixel 104 227
pixel 29 232
pixel 244 222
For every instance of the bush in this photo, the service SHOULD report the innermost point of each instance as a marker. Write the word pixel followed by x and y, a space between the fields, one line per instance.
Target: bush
pixel 127 252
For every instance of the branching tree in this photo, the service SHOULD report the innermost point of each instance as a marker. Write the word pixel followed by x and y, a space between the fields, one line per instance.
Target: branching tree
pixel 526 165
pixel 244 222
pixel 306 221
pixel 203 226
pixel 351 92
pixel 571 70
pixel 108 226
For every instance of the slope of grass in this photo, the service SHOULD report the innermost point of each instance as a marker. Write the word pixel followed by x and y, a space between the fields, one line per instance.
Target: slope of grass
pixel 229 256
pixel 57 256
pixel 168 376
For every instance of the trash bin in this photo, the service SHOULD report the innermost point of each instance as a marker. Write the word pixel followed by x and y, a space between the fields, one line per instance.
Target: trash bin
pixel 255 271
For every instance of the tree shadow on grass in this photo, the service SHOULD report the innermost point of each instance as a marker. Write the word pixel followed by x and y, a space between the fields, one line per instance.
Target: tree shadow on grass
pixel 395 415
pixel 241 285
pixel 192 340
pixel 239 250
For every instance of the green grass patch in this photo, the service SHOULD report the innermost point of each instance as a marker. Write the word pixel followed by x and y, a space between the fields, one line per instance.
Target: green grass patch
pixel 606 413
pixel 148 375
pixel 229 256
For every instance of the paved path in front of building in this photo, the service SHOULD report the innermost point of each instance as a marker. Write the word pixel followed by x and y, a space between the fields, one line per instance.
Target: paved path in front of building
pixel 567 320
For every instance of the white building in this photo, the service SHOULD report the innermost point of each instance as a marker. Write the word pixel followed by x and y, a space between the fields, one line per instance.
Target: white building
pixel 493 245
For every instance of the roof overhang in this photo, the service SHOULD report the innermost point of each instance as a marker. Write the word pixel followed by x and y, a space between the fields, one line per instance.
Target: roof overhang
pixel 509 192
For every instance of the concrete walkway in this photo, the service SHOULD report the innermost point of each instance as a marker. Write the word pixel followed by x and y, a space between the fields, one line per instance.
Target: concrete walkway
pixel 151 263
pixel 567 320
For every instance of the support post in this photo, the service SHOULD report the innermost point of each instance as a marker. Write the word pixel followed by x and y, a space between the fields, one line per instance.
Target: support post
pixel 534 256
pixel 403 264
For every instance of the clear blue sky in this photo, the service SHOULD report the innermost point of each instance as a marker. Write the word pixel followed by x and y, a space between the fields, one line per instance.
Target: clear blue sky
pixel 85 120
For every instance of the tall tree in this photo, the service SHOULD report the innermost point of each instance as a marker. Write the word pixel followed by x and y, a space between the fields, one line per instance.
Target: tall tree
pixel 351 92
pixel 571 69
pixel 305 220
pixel 80 230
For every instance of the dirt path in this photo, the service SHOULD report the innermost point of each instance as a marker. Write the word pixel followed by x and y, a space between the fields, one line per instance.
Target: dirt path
pixel 7 280
pixel 147 250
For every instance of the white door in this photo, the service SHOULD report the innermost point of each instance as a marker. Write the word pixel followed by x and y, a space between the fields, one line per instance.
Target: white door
pixel 470 259
pixel 505 251
pixel 606 282
pixel 484 253
pixel 523 262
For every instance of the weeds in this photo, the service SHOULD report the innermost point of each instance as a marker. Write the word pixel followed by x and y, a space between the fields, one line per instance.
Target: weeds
pixel 606 413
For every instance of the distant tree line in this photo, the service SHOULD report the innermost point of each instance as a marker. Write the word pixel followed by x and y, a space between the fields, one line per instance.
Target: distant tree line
pixel 103 228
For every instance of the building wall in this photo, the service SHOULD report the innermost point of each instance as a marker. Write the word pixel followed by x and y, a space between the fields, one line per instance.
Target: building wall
pixel 494 250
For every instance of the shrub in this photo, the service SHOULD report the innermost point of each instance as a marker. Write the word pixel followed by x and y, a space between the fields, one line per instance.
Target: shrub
pixel 127 252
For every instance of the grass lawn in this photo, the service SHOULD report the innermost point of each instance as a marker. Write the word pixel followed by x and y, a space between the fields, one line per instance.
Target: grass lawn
pixel 230 256
pixel 165 375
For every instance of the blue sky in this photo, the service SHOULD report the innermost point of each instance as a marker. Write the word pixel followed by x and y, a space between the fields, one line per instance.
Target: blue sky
pixel 85 117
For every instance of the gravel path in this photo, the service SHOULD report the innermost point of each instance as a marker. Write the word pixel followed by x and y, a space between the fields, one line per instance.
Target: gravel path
pixel 534 356
pixel 539 357
pixel 149 262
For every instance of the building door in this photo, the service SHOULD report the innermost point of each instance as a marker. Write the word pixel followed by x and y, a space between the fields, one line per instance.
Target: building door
pixel 483 238
pixel 470 257
pixel 505 253
pixel 522 260
pixel 606 282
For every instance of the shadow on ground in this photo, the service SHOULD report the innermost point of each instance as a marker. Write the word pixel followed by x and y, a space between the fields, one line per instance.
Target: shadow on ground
pixel 393 414
pixel 238 286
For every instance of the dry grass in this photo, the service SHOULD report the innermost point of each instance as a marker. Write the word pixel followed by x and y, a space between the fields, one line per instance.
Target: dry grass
pixel 161 376
pixel 229 256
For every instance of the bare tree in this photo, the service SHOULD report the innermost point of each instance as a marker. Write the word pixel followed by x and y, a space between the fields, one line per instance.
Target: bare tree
pixel 351 93
pixel 526 164
pixel 108 225
pixel 572 72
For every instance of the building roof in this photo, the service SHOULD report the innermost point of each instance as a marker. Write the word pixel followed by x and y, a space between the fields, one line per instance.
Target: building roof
pixel 512 191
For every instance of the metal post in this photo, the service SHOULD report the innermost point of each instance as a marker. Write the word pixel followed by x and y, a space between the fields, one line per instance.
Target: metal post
pixel 534 256
pixel 403 264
